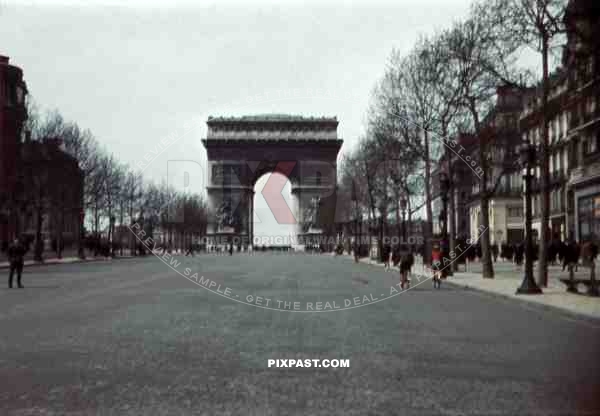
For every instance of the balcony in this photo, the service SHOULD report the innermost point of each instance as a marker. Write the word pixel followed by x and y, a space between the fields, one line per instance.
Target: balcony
pixel 508 192
pixel 582 174
pixel 557 178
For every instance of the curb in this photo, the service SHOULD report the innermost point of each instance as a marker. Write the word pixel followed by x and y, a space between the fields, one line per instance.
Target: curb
pixel 79 261
pixel 550 308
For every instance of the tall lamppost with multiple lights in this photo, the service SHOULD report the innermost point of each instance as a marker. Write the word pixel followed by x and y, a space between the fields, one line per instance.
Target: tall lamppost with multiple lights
pixel 527 155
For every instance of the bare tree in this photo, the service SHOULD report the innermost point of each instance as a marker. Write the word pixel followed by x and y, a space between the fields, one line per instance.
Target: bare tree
pixel 539 22
pixel 481 52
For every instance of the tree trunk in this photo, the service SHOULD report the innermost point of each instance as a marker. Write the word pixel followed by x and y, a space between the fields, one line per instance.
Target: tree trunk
pixel 428 230
pixel 452 224
pixel 96 239
pixel 545 175
pixel 398 219
pixel 451 208
pixel 59 233
pixel 484 239
pixel 121 216
pixel 39 244
pixel 486 258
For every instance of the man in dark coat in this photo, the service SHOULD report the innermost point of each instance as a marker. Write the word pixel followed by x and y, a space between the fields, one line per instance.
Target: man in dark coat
pixel 16 252
pixel 495 252
pixel 570 254
pixel 519 253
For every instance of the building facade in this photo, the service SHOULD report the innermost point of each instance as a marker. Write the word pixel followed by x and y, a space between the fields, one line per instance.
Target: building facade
pixel 501 131
pixel 53 194
pixel 573 113
pixel 13 115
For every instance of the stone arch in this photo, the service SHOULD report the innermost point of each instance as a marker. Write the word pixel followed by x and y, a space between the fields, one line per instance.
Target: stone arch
pixel 242 149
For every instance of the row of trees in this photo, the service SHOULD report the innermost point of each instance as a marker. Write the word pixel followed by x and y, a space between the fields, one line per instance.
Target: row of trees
pixel 114 194
pixel 443 87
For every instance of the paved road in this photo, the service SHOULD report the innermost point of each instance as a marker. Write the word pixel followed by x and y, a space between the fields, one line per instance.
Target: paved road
pixel 134 337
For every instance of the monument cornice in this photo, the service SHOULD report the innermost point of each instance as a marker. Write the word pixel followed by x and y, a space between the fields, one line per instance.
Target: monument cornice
pixel 271 118
pixel 250 141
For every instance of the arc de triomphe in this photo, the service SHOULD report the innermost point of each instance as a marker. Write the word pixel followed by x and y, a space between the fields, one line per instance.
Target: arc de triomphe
pixel 242 149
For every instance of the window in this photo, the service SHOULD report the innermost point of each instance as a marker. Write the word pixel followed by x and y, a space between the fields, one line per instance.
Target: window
pixel 555 204
pixel 515 212
pixel 9 92
pixel 20 95
pixel 589 217
pixel 591 145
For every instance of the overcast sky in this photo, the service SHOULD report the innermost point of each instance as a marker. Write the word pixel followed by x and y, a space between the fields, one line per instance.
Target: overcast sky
pixel 139 73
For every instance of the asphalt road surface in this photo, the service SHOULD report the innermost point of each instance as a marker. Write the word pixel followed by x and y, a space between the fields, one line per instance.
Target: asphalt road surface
pixel 141 337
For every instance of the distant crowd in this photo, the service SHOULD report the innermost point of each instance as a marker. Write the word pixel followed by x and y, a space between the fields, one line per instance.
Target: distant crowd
pixel 559 252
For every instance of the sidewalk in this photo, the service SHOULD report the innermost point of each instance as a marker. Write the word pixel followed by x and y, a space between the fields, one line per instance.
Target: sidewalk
pixel 64 260
pixel 508 278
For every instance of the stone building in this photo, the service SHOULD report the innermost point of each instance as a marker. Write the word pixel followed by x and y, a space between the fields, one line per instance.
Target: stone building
pixel 13 115
pixel 501 130
pixel 53 194
pixel 574 129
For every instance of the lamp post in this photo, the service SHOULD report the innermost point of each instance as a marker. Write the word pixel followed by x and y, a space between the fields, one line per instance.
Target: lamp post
pixel 380 243
pixel 355 212
pixel 403 209
pixel 444 188
pixel 527 157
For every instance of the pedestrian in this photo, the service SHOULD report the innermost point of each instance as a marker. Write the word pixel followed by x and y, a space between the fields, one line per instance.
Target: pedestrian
pixel 495 252
pixel 519 253
pixel 387 251
pixel 570 255
pixel 405 265
pixel 436 264
pixel 16 252
pixel 190 250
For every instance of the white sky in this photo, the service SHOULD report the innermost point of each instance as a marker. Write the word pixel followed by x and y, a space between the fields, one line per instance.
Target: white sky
pixel 138 73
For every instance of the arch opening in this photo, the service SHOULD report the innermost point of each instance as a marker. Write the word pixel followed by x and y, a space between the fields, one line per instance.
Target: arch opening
pixel 274 222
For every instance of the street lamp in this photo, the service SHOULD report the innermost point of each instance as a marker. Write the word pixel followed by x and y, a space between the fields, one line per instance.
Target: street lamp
pixel 403 204
pixel 527 155
pixel 355 211
pixel 380 245
pixel 444 188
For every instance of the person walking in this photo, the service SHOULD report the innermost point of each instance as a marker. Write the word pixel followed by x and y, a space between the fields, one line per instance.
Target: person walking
pixel 436 264
pixel 519 254
pixel 495 252
pixel 190 250
pixel 387 252
pixel 405 265
pixel 16 252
